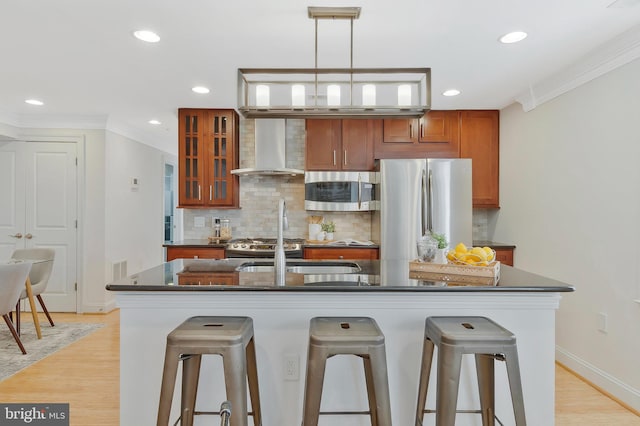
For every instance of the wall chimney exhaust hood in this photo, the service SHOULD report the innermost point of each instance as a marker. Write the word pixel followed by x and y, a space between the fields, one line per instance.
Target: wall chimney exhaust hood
pixel 270 150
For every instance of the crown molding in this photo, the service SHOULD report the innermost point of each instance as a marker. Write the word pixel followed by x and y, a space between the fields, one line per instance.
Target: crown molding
pixel 613 54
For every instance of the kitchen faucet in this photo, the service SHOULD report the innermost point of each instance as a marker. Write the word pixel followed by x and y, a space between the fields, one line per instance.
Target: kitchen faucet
pixel 279 259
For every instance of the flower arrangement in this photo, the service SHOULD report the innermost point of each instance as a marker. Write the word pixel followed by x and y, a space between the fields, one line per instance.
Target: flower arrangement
pixel 328 227
pixel 441 239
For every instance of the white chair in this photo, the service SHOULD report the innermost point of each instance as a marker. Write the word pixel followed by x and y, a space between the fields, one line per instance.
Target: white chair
pixel 39 276
pixel 12 279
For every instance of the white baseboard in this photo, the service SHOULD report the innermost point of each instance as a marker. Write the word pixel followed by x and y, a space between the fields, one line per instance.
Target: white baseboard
pixel 618 389
pixel 96 308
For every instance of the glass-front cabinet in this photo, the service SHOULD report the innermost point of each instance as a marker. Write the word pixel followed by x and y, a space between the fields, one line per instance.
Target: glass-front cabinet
pixel 208 151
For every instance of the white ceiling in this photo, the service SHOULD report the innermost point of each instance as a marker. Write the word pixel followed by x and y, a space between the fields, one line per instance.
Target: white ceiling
pixel 81 59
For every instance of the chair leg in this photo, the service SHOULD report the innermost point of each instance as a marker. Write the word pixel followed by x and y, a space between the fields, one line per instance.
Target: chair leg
pixel 234 364
pixel 18 317
pixel 314 380
pixel 252 379
pixel 449 363
pixel 44 308
pixel 425 373
pixel 14 333
pixel 486 387
pixel 371 391
pixel 190 376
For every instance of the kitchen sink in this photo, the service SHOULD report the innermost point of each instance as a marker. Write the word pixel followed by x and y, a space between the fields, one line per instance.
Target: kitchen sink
pixel 297 267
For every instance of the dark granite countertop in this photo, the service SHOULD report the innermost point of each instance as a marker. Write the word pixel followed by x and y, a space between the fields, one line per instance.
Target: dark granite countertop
pixel 206 243
pixel 373 276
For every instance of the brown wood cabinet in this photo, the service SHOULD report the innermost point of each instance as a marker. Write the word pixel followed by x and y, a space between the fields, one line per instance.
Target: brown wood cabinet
pixel 210 278
pixel 505 256
pixel 333 144
pixel 195 253
pixel 479 140
pixel 341 253
pixel 208 149
pixel 434 135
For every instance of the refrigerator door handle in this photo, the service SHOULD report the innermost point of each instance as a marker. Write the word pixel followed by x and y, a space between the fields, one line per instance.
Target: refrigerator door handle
pixel 430 202
pixel 359 190
pixel 423 202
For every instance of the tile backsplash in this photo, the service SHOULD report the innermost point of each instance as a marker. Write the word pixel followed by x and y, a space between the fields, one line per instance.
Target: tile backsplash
pixel 259 197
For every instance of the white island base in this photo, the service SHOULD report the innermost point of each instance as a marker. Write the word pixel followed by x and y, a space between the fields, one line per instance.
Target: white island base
pixel 281 321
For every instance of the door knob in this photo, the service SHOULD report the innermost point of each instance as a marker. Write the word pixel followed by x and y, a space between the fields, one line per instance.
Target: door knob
pixel 28 236
pixel 18 235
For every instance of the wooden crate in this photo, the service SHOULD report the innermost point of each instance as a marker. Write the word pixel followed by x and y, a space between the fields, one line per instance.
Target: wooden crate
pixel 455 274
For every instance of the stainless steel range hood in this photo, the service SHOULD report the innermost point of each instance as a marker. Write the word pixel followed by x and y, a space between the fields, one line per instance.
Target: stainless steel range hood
pixel 270 158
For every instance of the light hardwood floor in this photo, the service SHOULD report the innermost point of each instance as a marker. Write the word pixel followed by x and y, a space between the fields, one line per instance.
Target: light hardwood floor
pixel 85 374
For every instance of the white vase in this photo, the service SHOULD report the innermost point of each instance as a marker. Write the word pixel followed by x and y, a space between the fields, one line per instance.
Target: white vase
pixel 441 256
pixel 329 236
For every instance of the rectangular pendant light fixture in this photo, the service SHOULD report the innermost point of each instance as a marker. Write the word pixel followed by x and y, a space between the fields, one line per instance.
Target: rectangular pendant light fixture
pixel 333 92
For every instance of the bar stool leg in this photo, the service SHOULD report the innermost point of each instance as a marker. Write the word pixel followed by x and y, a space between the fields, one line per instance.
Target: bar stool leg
pixel 235 377
pixel 252 378
pixel 449 364
pixel 316 364
pixel 190 376
pixel 486 387
pixel 371 392
pixel 378 359
pixel 423 385
pixel 169 373
pixel 515 384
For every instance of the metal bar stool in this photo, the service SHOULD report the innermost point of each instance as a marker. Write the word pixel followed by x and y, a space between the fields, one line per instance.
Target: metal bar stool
pixel 230 337
pixel 361 336
pixel 454 337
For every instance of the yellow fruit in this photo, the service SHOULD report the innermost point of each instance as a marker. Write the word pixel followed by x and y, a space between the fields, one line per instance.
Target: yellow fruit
pixel 471 258
pixel 461 248
pixel 451 255
pixel 479 251
pixel 490 253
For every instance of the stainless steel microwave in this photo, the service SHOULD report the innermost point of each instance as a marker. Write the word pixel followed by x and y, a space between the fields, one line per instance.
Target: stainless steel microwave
pixel 340 191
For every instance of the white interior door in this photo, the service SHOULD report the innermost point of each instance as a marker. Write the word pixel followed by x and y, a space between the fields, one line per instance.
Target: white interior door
pixel 12 202
pixel 46 207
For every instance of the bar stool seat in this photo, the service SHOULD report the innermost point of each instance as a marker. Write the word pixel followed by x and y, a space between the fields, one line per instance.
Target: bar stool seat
pixel 360 336
pixel 454 337
pixel 230 337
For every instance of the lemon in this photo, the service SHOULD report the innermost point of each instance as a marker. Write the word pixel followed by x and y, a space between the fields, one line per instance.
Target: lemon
pixel 471 258
pixel 451 255
pixel 490 253
pixel 479 251
pixel 461 248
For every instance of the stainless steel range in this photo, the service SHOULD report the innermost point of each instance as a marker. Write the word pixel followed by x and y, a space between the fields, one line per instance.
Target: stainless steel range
pixel 263 247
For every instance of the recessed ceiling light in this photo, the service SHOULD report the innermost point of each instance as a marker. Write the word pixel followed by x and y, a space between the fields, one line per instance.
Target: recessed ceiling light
pixel 200 89
pixel 148 36
pixel 513 37
pixel 451 92
pixel 155 122
pixel 34 102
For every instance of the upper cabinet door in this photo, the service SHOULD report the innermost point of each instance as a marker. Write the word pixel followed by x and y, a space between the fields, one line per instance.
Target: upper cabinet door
pixel 208 151
pixel 334 144
pixel 400 130
pixel 479 140
pixel 440 134
pixel 435 134
pixel 191 153
pixel 358 136
pixel 323 145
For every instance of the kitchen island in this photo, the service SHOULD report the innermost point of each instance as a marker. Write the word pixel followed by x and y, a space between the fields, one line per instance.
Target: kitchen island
pixel 155 301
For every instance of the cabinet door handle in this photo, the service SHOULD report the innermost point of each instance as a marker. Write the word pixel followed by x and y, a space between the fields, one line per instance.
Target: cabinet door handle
pixel 199 192
pixel 334 157
pixel 421 130
pixel 18 235
pixel 345 157
pixel 210 192
pixel 28 236
pixel 411 130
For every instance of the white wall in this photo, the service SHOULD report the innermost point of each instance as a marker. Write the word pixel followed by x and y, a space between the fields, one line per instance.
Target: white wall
pixel 570 197
pixel 133 217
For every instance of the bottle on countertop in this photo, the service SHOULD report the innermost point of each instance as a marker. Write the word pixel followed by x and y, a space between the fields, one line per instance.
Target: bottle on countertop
pixel 225 229
pixel 216 227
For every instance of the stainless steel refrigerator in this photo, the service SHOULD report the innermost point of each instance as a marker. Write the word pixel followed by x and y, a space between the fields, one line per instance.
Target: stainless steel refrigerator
pixel 417 195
